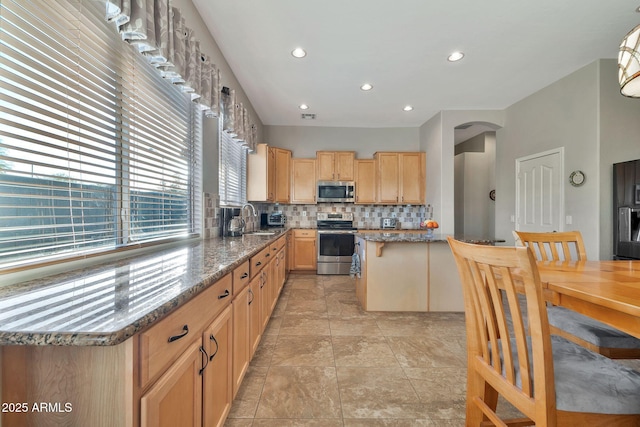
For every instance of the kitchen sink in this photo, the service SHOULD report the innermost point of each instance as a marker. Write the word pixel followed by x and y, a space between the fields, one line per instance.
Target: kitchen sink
pixel 261 233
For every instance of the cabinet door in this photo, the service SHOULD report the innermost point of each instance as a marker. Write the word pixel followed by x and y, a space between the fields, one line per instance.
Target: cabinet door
pixel 255 313
pixel 344 163
pixel 412 178
pixel 271 175
pixel 266 295
pixel 304 253
pixel 365 181
pixel 241 344
pixel 282 175
pixel 303 181
pixel 325 160
pixel 387 177
pixel 218 375
pixel 176 398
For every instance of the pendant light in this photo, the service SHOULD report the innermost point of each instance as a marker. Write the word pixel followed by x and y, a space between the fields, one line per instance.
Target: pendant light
pixel 629 64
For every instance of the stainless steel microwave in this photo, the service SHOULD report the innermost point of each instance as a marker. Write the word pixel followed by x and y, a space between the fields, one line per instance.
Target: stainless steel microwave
pixel 336 191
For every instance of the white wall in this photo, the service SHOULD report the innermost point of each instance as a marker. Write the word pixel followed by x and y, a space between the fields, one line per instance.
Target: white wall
pixel 474 179
pixel 304 141
pixel 564 114
pixel 437 138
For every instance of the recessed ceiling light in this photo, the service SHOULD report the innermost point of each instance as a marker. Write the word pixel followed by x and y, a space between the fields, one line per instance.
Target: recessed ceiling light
pixel 299 52
pixel 366 87
pixel 408 108
pixel 304 107
pixel 638 9
pixel 455 56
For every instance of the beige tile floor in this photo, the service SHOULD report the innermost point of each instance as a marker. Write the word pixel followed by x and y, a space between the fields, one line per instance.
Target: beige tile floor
pixel 325 362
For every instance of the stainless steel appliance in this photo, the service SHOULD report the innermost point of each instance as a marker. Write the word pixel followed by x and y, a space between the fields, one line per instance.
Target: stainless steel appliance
pixel 388 223
pixel 226 216
pixel 276 219
pixel 336 242
pixel 336 191
pixel 626 217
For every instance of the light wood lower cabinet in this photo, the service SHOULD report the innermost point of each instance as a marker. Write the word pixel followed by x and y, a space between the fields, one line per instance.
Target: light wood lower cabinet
pixel 218 375
pixel 304 250
pixel 241 337
pixel 182 371
pixel 176 398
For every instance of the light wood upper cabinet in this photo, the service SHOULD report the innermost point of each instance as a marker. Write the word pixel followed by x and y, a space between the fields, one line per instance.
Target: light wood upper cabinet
pixel 303 181
pixel 401 177
pixel 335 165
pixel 282 175
pixel 268 174
pixel 412 172
pixel 387 177
pixel 365 178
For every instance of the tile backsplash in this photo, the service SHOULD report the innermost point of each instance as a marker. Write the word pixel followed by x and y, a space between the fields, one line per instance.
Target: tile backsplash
pixel 364 216
pixel 305 216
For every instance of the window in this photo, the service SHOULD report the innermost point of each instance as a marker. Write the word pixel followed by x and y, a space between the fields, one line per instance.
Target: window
pixel 97 151
pixel 232 171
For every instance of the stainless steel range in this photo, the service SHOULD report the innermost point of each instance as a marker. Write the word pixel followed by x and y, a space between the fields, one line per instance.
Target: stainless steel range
pixel 335 242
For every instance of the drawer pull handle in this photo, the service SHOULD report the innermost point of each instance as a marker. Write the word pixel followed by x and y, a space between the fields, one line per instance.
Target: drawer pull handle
pixel 267 254
pixel 258 264
pixel 226 294
pixel 206 359
pixel 212 338
pixel 244 275
pixel 185 328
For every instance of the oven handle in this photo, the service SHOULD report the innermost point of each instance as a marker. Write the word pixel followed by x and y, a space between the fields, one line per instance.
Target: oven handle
pixel 337 231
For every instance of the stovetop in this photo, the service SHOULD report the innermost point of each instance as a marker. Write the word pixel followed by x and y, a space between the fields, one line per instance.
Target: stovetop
pixel 335 221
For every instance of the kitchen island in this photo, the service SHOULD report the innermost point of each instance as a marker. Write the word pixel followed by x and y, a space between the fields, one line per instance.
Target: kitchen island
pixel 409 271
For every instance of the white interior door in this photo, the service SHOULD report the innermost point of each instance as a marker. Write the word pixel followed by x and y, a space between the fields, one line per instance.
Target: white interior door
pixel 539 192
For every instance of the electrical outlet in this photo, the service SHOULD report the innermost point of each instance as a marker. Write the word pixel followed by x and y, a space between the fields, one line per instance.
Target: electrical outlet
pixel 304 213
pixel 366 214
pixel 394 215
pixel 569 220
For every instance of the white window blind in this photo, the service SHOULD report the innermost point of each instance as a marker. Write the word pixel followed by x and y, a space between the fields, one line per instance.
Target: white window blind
pixel 96 150
pixel 232 171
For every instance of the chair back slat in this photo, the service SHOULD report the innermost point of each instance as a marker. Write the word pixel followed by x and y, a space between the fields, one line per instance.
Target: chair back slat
pixel 557 246
pixel 519 354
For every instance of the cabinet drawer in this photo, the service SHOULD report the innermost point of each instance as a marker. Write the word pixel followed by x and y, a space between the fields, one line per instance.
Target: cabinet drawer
pixel 164 342
pixel 278 244
pixel 259 261
pixel 304 233
pixel 240 277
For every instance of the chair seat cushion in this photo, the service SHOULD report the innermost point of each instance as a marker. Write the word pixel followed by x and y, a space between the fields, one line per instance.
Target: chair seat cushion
pixel 589 382
pixel 590 330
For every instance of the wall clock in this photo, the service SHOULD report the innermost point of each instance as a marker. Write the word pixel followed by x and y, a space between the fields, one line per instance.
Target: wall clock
pixel 577 178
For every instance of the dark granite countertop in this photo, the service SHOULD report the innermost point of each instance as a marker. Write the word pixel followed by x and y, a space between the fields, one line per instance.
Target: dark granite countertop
pixel 107 303
pixel 424 237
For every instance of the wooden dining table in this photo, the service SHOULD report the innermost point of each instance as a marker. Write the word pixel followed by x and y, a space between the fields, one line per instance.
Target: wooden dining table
pixel 608 291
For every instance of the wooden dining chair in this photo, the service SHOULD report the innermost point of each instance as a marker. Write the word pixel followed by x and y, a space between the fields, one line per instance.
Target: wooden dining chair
pixel 583 330
pixel 553 382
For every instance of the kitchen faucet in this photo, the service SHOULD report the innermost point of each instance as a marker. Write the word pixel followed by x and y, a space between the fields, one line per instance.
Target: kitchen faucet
pixel 253 209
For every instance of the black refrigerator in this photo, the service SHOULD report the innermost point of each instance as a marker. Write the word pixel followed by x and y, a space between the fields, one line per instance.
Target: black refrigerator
pixel 626 215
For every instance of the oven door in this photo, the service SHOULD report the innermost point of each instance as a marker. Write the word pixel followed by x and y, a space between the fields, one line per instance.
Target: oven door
pixel 335 246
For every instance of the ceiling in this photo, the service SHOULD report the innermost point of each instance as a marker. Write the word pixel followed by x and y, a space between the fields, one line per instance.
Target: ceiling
pixel 512 49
